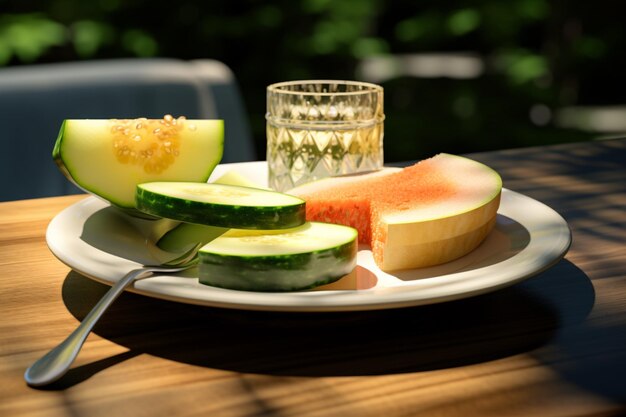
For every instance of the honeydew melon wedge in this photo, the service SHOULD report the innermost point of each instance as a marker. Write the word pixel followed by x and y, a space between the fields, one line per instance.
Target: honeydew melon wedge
pixel 108 158
pixel 433 212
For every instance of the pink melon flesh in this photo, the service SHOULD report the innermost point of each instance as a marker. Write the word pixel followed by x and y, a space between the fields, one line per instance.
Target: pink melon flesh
pixel 430 213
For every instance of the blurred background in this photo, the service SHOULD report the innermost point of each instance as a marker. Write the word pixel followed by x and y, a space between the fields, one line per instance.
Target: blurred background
pixel 458 76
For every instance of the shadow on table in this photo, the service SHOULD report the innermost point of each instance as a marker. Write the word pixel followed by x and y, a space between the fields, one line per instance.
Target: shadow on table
pixel 519 319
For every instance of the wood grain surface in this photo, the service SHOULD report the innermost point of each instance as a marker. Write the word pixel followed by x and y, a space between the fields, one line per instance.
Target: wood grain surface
pixel 554 345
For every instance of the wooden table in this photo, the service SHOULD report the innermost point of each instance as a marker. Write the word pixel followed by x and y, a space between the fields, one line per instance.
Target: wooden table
pixel 554 345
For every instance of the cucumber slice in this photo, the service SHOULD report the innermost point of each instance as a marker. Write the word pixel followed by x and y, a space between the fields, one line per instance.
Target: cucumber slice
pixel 220 205
pixel 185 235
pixel 271 260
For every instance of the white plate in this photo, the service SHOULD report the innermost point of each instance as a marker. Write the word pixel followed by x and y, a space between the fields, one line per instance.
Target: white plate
pixel 529 237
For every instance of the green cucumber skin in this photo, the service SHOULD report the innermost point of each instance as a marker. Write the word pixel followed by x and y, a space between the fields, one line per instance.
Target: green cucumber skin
pixel 220 215
pixel 278 273
pixel 56 152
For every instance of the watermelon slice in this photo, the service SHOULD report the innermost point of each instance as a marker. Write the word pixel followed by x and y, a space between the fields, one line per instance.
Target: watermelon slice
pixel 427 214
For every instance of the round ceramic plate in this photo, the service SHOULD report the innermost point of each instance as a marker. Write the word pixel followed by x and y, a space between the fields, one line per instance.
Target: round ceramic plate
pixel 529 237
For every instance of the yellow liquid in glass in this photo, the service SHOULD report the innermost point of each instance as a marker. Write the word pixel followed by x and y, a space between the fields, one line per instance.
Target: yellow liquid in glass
pixel 297 154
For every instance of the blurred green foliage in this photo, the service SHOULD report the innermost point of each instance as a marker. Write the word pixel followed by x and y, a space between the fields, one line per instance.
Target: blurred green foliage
pixel 535 52
pixel 26 37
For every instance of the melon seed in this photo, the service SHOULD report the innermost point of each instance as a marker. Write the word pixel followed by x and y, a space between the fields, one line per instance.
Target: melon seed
pixel 153 145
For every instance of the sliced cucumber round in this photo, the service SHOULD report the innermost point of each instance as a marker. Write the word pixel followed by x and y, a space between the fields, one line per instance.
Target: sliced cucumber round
pixel 186 235
pixel 220 205
pixel 270 260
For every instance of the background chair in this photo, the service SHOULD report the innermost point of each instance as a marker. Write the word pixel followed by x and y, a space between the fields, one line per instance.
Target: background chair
pixel 34 100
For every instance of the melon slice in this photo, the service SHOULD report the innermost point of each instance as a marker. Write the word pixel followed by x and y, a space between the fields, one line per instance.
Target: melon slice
pixel 109 158
pixel 427 214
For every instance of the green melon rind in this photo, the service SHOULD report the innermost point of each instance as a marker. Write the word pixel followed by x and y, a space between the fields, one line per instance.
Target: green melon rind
pixel 277 273
pixel 69 171
pixel 58 160
pixel 221 215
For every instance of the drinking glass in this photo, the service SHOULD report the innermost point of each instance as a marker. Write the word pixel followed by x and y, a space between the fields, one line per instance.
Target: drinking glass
pixel 322 128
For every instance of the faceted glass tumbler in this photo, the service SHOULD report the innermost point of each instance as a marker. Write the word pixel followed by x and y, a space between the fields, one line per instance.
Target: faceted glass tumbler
pixel 318 129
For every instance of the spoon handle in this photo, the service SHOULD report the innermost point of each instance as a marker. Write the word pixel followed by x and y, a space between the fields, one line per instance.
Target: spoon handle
pixel 54 364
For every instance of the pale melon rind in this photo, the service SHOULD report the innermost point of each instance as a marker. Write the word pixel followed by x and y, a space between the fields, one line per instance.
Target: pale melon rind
pixel 84 153
pixel 420 255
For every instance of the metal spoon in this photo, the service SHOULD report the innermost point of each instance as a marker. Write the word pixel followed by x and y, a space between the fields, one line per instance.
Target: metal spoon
pixel 54 364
